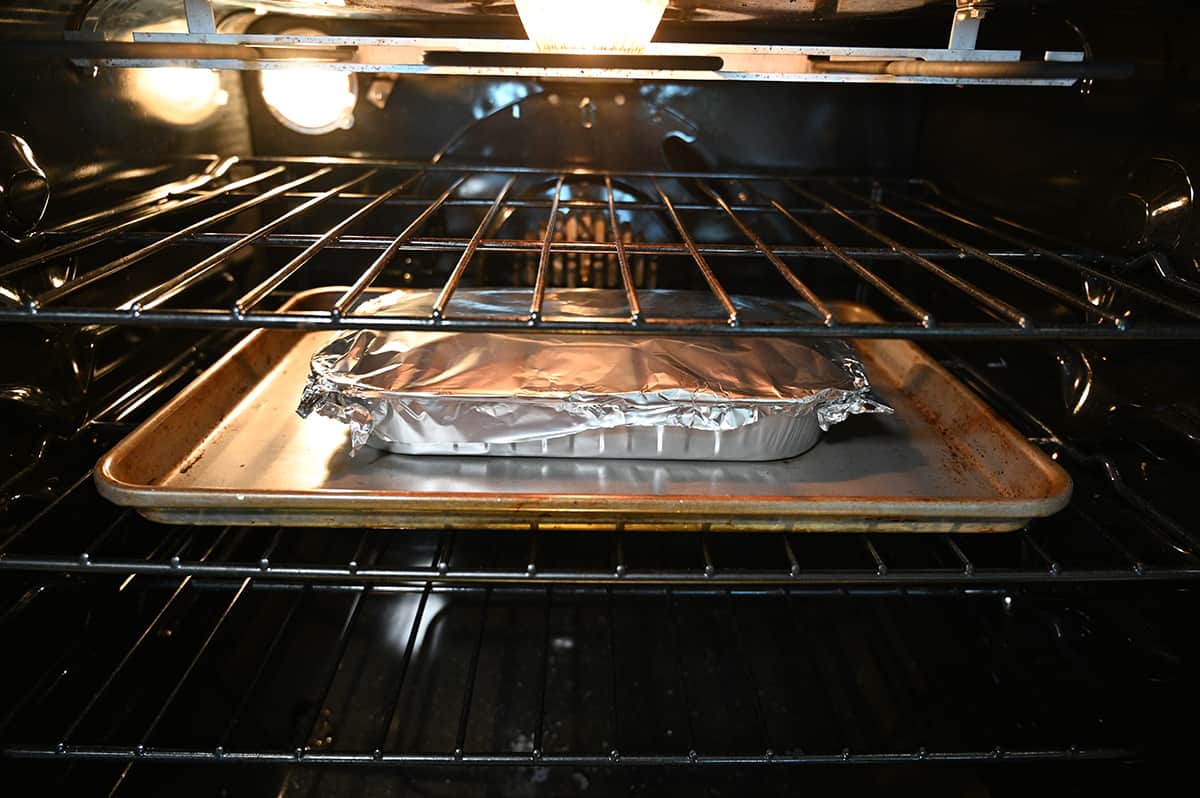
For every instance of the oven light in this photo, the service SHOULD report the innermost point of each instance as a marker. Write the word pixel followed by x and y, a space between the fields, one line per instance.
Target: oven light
pixel 623 26
pixel 311 100
pixel 178 95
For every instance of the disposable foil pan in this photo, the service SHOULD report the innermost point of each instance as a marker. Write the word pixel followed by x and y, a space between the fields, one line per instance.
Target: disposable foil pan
pixel 611 396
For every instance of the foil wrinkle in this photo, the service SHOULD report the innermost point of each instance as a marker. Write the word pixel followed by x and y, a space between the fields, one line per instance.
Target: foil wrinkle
pixel 699 397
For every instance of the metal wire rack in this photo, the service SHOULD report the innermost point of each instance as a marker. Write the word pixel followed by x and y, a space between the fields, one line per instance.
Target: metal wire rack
pixel 421 675
pixel 1076 548
pixel 890 241
pixel 1072 551
pixel 1115 536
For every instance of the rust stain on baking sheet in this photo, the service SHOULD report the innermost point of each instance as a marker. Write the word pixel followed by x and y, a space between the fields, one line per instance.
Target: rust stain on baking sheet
pixel 191 461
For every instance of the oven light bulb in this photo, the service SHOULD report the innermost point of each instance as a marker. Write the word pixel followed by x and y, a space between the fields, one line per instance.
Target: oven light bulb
pixel 310 99
pixel 604 26
pixel 178 95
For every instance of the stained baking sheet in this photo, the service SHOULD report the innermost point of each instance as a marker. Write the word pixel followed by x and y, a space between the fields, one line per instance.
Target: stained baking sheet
pixel 230 449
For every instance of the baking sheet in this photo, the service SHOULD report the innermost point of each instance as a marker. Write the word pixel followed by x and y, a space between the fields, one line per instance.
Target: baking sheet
pixel 230 449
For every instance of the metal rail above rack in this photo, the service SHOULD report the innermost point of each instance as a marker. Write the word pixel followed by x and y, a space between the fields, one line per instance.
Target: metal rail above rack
pixel 520 58
pixel 204 45
pixel 1020 286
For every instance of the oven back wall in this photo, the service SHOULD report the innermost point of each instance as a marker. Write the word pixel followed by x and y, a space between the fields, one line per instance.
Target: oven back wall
pixel 81 122
pixel 819 128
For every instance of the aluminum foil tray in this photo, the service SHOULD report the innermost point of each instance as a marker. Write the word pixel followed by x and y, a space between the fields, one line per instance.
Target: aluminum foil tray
pixel 612 396
pixel 229 449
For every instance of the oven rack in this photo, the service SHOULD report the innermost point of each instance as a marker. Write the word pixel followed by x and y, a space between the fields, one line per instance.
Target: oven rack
pixel 878 234
pixel 436 654
pixel 1114 535
pixel 1109 533
pixel 1101 544
pixel 1117 535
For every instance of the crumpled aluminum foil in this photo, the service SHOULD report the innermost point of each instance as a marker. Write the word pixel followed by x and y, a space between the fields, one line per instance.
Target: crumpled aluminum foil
pixel 616 396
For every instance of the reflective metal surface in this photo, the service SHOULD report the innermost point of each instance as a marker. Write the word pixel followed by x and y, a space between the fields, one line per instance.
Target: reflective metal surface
pixel 230 449
pixel 761 11
pixel 1155 208
pixel 707 10
pixel 625 397
pixel 517 58
pixel 24 189
pixel 767 204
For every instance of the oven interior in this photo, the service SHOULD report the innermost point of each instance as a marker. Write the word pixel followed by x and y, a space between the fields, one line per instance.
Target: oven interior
pixel 1037 240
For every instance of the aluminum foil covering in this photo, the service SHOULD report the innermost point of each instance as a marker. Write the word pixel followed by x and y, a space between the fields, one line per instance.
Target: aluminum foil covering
pixel 615 396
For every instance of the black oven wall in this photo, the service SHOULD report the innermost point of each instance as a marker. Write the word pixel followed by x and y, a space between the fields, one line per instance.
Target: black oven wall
pixel 1068 159
pixel 1112 166
pixel 822 129
pixel 1018 653
pixel 98 135
pixel 88 125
